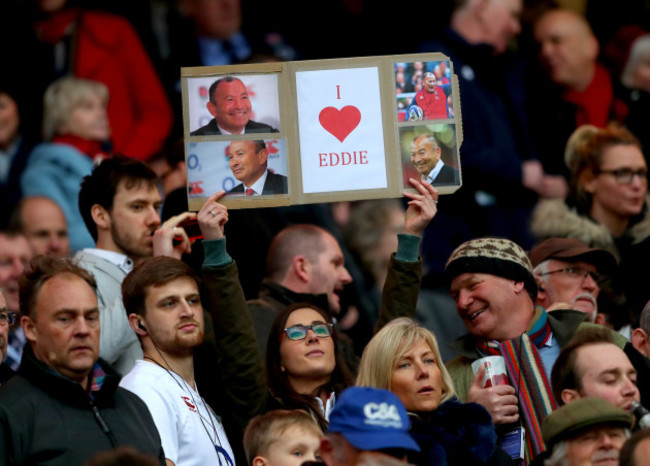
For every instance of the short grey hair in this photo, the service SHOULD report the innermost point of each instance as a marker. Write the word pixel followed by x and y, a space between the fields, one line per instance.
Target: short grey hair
pixel 644 319
pixel 640 48
pixel 558 456
pixel 62 97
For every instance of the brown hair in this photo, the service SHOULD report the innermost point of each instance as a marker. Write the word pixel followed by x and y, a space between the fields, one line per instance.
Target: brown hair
pixel 564 374
pixel 277 379
pixel 300 239
pixel 264 430
pixel 39 270
pixel 151 272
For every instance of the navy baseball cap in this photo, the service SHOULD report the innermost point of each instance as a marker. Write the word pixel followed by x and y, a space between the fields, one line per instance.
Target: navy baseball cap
pixel 371 419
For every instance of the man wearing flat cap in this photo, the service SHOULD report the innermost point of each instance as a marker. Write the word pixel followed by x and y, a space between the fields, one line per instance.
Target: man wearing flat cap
pixel 589 431
pixel 569 274
pixel 492 282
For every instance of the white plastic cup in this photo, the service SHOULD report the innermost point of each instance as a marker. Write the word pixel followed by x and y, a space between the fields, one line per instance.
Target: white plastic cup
pixel 495 371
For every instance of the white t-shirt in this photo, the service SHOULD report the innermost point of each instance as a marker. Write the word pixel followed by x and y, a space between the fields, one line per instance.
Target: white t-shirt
pixel 177 411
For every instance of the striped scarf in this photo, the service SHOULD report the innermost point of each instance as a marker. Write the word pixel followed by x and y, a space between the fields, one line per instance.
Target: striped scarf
pixel 526 373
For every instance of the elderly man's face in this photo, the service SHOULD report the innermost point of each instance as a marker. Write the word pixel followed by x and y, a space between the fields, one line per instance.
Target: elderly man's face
pixel 572 283
pixel 231 106
pixel 485 303
pixel 424 155
pixel 598 446
pixel 64 328
pixel 246 163
pixel 430 83
pixel 604 371
pixel 568 49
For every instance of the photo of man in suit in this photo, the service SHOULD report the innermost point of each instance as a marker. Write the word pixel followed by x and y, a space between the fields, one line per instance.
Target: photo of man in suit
pixel 231 107
pixel 248 163
pixel 425 157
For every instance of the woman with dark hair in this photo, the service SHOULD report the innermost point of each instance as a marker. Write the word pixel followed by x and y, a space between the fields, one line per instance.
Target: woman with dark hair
pixel 607 204
pixel 304 367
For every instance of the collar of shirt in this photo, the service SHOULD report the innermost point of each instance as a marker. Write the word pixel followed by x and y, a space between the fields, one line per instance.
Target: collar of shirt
pixel 258 186
pixel 120 260
pixel 433 173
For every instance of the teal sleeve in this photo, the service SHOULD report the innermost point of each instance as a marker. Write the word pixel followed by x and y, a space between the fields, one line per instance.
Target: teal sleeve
pixel 215 254
pixel 408 247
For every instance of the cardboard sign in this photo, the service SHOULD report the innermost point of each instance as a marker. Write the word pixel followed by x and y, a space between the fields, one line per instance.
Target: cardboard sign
pixel 321 131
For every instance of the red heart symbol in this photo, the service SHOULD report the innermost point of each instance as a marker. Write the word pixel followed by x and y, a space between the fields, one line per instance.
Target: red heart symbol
pixel 340 123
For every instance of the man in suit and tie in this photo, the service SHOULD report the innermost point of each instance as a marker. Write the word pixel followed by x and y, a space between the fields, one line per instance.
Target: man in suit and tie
pixel 231 107
pixel 247 161
pixel 425 157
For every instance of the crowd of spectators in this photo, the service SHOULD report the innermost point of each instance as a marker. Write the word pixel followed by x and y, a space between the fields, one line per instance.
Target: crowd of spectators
pixel 335 333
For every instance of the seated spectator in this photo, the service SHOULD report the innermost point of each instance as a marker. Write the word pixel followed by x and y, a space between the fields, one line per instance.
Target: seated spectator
pixel 108 50
pixel 593 365
pixel 367 420
pixel 62 386
pixel 43 223
pixel 75 124
pixel 403 357
pixel 588 431
pixel 606 207
pixel 636 449
pixel 569 274
pixel 282 438
pixel 16 142
pixel 572 90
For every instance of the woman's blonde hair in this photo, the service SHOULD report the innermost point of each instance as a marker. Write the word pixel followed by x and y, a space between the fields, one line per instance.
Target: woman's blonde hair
pixel 384 351
pixel 63 96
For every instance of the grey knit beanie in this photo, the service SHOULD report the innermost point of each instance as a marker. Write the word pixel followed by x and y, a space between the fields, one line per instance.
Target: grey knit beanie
pixel 495 256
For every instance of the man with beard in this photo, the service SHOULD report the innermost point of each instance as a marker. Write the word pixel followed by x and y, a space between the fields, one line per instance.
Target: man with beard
pixel 119 202
pixel 164 309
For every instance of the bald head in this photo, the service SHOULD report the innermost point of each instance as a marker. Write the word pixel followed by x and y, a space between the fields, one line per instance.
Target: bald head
pixel 568 48
pixel 43 223
pixel 295 240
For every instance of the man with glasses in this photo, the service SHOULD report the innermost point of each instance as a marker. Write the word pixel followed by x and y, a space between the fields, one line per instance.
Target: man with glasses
pixel 568 274
pixel 7 319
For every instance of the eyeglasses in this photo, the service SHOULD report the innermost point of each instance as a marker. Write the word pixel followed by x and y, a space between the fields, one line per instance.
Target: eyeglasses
pixel 578 273
pixel 7 318
pixel 626 175
pixel 299 332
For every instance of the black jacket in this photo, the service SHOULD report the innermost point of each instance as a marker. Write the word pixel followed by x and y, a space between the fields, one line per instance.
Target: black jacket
pixel 48 419
pixel 274 184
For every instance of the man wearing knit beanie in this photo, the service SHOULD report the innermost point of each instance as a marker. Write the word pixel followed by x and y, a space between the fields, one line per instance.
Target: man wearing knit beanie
pixel 492 282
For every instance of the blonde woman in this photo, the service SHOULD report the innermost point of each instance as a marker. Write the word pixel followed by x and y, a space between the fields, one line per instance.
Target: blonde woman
pixel 403 357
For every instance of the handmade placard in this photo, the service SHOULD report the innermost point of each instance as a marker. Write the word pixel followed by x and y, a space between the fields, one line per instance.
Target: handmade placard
pixel 321 131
